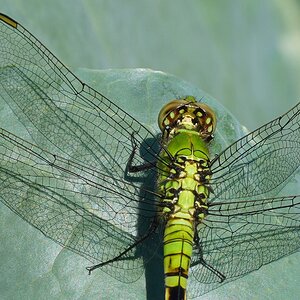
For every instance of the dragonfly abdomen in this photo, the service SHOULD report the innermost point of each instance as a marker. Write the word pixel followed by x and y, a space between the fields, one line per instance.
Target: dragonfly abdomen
pixel 182 213
pixel 178 246
pixel 184 202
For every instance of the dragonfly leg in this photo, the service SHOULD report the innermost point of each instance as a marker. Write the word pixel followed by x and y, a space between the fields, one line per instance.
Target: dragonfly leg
pixel 202 261
pixel 152 228
pixel 133 169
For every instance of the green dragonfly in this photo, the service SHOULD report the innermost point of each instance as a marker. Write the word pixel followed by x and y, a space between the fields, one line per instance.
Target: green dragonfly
pixel 218 217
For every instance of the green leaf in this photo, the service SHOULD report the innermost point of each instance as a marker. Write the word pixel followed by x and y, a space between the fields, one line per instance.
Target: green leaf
pixel 34 267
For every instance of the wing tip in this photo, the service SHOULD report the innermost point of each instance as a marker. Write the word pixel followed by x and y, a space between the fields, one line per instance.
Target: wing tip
pixel 6 19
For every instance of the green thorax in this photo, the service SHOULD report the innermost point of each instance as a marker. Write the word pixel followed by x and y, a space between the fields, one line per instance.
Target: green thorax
pixel 184 173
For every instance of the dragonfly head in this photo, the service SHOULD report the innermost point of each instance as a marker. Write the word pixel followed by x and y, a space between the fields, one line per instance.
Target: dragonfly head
pixel 187 114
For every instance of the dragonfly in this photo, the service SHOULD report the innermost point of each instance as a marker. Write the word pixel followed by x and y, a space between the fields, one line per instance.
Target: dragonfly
pixel 100 183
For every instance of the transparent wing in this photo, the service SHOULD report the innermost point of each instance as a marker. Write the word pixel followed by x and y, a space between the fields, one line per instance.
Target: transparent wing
pixel 62 114
pixel 81 208
pixel 259 163
pixel 239 237
pixel 77 192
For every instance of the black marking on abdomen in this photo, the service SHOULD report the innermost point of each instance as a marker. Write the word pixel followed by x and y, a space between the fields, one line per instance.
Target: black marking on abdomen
pixel 177 293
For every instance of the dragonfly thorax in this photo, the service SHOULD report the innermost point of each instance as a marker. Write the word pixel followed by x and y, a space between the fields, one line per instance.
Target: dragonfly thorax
pixel 185 176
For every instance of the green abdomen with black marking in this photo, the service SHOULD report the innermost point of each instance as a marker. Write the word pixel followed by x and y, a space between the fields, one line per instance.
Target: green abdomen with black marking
pixel 183 183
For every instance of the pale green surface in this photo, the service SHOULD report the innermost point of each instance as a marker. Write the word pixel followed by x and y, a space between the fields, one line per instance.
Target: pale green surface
pixel 34 267
pixel 244 53
pixel 42 270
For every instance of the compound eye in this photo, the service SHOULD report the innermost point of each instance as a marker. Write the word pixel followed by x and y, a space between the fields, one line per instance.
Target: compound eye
pixel 190 114
pixel 208 120
pixel 169 113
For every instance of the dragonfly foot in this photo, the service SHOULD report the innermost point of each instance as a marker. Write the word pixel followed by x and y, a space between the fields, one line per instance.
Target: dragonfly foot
pixel 92 268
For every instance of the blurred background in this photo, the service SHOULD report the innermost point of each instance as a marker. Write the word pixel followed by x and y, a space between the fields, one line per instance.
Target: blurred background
pixel 246 54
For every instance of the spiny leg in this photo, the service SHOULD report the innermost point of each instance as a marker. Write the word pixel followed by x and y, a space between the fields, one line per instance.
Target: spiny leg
pixel 152 228
pixel 134 169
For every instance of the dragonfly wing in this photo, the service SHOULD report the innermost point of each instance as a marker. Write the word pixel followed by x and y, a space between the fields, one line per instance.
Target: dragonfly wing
pixel 79 193
pixel 83 209
pixel 62 114
pixel 260 163
pixel 240 237
pixel 246 226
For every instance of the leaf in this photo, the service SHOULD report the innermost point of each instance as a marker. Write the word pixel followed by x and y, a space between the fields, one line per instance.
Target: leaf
pixel 37 266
